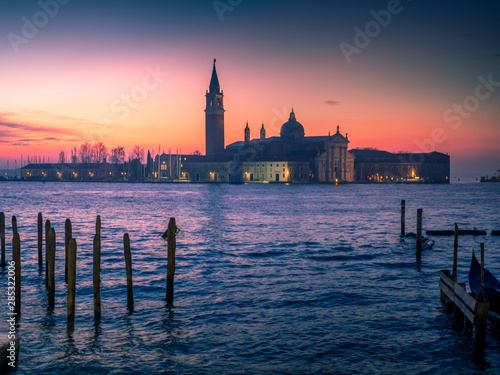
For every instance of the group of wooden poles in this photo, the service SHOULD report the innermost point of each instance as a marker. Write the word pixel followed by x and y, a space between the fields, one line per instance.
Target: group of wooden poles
pixel 70 247
pixel 454 294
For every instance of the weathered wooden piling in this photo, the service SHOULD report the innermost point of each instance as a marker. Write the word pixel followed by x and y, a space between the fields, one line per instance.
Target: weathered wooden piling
pixel 98 226
pixel 40 241
pixel 403 214
pixel 459 315
pixel 68 234
pixel 482 306
pixel 419 234
pixel 51 260
pixel 2 238
pixel 171 243
pixel 446 296
pixel 71 284
pixel 47 230
pixel 97 271
pixel 455 254
pixel 14 225
pixel 128 267
pixel 16 257
pixel 482 271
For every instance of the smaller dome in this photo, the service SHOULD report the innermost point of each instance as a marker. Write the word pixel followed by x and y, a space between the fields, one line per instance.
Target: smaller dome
pixel 292 129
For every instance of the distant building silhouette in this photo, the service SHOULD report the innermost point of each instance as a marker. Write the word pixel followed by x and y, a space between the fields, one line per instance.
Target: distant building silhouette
pixel 382 166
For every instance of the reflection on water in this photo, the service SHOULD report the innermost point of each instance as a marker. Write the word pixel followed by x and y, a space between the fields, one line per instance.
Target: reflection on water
pixel 269 279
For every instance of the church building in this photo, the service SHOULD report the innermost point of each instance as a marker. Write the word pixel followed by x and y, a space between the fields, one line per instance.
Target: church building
pixel 292 157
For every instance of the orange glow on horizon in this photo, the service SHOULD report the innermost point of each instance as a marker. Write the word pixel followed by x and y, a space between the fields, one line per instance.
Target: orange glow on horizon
pixel 171 115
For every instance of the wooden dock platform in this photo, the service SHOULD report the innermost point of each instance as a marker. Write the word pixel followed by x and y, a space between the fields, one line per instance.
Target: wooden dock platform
pixel 455 297
pixel 461 232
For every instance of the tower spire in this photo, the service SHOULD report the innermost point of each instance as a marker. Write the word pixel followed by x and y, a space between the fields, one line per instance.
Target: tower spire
pixel 214 81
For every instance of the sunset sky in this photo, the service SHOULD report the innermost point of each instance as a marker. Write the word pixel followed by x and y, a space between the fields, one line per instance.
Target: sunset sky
pixel 135 73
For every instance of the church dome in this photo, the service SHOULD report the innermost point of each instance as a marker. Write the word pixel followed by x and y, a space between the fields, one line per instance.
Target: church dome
pixel 292 129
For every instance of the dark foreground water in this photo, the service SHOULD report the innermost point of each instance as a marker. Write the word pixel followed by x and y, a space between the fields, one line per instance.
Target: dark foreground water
pixel 270 279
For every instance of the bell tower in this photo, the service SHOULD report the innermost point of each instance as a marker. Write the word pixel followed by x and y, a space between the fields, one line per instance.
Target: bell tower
pixel 247 134
pixel 262 132
pixel 214 116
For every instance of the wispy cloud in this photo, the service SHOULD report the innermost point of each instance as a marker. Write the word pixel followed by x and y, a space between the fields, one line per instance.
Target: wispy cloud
pixel 331 102
pixel 25 127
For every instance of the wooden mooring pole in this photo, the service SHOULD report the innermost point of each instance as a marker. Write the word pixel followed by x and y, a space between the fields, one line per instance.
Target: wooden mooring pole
pixel 68 234
pixel 455 255
pixel 171 243
pixel 14 225
pixel 40 241
pixel 419 234
pixel 403 213
pixel 128 267
pixel 2 238
pixel 97 271
pixel 482 307
pixel 51 261
pixel 16 257
pixel 71 284
pixel 482 271
pixel 47 230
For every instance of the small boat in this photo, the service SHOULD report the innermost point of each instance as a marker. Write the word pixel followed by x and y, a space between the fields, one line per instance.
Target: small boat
pixel 491 285
pixel 427 244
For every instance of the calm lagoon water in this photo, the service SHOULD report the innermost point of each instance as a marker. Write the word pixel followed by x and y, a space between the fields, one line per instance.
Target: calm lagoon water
pixel 270 279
